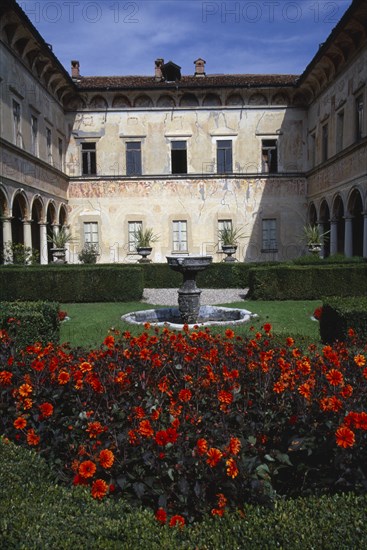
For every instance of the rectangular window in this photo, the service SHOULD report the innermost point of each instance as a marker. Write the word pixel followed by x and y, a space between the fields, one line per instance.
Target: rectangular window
pixel 269 156
pixel 34 135
pixel 269 235
pixel 339 131
pixel 89 165
pixel 224 156
pixel 312 156
pixel 224 224
pixel 91 234
pixel 60 152
pixel 178 157
pixel 133 158
pixel 179 236
pixel 49 144
pixel 359 117
pixel 132 228
pixel 325 143
pixel 16 123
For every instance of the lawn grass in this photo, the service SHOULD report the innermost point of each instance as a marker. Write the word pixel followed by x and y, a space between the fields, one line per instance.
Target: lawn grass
pixel 89 323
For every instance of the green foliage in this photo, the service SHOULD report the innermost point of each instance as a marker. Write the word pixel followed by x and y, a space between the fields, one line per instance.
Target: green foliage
pixel 35 513
pixel 308 282
pixel 230 235
pixel 145 237
pixel 341 314
pixel 88 255
pixel 29 322
pixel 19 254
pixel 312 235
pixel 72 283
pixel 61 238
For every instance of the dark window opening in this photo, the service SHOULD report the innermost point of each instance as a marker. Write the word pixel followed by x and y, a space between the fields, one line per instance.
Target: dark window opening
pixel 325 142
pixel 224 156
pixel 179 157
pixel 133 158
pixel 359 117
pixel 89 159
pixel 269 155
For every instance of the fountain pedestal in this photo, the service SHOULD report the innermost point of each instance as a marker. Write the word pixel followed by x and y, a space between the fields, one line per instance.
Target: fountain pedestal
pixel 189 293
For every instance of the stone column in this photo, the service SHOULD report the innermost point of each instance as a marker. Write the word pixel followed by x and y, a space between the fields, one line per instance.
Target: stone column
pixel 364 234
pixel 7 236
pixel 27 233
pixel 43 244
pixel 348 242
pixel 333 237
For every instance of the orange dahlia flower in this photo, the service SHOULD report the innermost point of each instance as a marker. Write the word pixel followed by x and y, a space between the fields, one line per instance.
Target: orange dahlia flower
pixel 344 437
pixel 106 458
pixel 87 469
pixel 99 489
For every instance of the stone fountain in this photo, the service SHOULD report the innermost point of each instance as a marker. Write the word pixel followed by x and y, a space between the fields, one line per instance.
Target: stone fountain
pixel 188 293
pixel 189 311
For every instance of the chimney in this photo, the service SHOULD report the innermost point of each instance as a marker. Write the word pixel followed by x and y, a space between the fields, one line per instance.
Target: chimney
pixel 75 69
pixel 200 67
pixel 158 75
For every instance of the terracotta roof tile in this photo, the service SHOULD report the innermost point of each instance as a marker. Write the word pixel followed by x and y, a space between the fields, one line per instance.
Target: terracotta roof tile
pixel 208 81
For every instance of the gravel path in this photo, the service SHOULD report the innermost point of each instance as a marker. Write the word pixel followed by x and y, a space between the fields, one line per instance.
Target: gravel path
pixel 209 296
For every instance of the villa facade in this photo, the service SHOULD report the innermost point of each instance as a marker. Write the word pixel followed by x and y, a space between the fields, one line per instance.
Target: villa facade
pixel 183 154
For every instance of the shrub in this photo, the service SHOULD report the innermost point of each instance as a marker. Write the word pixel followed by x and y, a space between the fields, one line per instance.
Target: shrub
pixel 35 513
pixel 30 322
pixel 192 423
pixel 340 316
pixel 307 282
pixel 19 254
pixel 88 255
pixel 72 283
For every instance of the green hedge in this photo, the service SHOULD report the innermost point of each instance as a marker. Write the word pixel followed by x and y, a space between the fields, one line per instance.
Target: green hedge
pixel 30 322
pixel 72 283
pixel 35 513
pixel 217 275
pixel 295 282
pixel 341 314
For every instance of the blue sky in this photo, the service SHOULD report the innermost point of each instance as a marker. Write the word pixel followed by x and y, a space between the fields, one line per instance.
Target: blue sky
pixel 123 37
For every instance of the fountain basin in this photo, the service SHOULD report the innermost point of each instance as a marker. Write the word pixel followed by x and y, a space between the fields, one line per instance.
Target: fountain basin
pixel 171 317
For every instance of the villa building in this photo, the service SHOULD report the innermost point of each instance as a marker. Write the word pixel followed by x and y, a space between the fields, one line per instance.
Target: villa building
pixel 185 155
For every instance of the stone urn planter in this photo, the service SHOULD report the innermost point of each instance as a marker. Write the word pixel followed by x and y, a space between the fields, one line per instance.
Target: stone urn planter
pixel 229 250
pixel 314 248
pixel 58 255
pixel 144 251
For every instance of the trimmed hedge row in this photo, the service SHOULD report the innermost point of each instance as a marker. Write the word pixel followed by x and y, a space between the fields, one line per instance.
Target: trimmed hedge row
pixel 295 282
pixel 217 275
pixel 30 322
pixel 341 314
pixel 35 513
pixel 72 283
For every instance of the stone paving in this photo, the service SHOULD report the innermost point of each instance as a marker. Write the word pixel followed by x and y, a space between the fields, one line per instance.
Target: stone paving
pixel 209 296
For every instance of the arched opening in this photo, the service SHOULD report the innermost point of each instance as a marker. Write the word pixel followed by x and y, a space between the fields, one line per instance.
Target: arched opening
pixel 19 211
pixel 35 225
pixel 312 215
pixel 355 210
pixel 338 216
pixel 3 213
pixel 51 222
pixel 324 222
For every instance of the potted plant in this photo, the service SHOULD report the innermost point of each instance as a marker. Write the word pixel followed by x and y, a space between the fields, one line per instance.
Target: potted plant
pixel 143 242
pixel 59 240
pixel 229 236
pixel 314 239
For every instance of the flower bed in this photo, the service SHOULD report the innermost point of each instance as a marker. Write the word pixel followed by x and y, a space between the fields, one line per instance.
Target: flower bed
pixel 190 423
